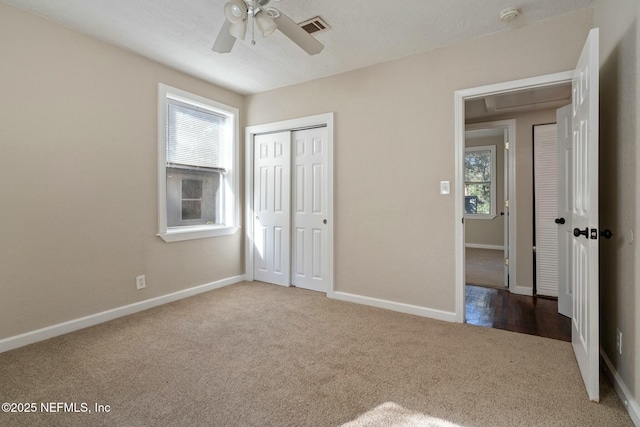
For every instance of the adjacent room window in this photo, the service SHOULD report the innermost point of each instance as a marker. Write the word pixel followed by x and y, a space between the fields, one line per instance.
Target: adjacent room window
pixel 197 166
pixel 480 182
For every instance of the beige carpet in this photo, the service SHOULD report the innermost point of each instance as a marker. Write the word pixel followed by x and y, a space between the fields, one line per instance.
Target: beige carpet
pixel 484 267
pixel 253 354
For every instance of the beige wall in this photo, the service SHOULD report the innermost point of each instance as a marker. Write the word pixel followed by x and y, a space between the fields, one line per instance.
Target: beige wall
pixel 79 203
pixel 395 143
pixel 79 179
pixel 488 231
pixel 620 184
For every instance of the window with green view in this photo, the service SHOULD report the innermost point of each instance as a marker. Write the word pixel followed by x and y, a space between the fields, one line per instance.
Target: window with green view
pixel 479 181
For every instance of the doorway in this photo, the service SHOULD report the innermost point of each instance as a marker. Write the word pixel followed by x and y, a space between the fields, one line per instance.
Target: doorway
pixel 499 307
pixel 461 98
pixel 489 181
pixel 289 203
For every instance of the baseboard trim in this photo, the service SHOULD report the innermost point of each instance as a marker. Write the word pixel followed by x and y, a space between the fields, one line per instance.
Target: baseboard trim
pixel 521 290
pixel 623 391
pixel 42 334
pixel 395 306
pixel 481 246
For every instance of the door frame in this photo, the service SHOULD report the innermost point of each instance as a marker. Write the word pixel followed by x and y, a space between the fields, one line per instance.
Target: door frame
pixel 460 96
pixel 287 125
pixel 509 173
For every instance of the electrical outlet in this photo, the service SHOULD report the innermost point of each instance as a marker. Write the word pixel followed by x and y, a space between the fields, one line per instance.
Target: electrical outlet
pixel 618 341
pixel 140 282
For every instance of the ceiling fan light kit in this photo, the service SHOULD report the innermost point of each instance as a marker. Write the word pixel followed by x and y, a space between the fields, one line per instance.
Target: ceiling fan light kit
pixel 238 29
pixel 267 19
pixel 265 23
pixel 236 11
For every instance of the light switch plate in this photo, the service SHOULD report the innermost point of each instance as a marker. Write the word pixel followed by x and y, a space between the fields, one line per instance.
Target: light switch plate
pixel 445 187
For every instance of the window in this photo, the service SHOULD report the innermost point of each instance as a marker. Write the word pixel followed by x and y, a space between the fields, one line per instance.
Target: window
pixel 197 166
pixel 480 182
pixel 192 199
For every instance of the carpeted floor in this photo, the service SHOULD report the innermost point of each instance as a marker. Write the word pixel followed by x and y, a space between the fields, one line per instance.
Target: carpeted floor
pixel 253 354
pixel 484 267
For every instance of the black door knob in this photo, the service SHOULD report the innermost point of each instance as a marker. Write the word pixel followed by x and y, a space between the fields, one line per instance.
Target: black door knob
pixel 577 232
pixel 560 221
pixel 607 234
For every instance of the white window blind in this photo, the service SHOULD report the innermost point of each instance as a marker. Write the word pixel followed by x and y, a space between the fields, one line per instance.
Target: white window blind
pixel 194 136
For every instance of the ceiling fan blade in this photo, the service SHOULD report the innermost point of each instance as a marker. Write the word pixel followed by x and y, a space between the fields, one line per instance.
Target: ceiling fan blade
pixel 297 35
pixel 224 42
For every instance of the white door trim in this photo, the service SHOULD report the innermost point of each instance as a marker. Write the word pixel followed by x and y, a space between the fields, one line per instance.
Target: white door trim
pixel 288 125
pixel 460 96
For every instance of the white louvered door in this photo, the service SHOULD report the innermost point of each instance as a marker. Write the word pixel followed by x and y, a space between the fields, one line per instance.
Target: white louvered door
pixel 546 208
pixel 272 208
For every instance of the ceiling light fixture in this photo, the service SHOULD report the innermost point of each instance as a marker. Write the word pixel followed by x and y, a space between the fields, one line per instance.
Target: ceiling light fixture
pixel 265 23
pixel 267 19
pixel 236 11
pixel 238 29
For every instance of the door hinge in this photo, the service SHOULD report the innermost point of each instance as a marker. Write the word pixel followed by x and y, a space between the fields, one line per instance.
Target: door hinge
pixel 506 145
pixel 506 261
pixel 534 249
pixel 506 203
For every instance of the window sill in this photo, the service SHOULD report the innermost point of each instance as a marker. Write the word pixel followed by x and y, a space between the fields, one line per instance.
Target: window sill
pixel 480 216
pixel 196 232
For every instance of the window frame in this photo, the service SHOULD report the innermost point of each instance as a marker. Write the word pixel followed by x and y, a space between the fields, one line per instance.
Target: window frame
pixel 230 179
pixel 493 205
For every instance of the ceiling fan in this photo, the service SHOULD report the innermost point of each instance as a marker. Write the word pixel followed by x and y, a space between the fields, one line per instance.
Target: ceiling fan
pixel 268 19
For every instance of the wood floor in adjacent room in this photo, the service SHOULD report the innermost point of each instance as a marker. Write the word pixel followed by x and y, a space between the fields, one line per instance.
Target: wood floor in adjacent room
pixel 501 309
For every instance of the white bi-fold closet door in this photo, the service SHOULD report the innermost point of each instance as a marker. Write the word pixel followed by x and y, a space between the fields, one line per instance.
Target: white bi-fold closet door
pixel 290 207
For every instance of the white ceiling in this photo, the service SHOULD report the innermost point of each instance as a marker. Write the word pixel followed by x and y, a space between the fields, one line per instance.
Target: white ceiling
pixel 180 33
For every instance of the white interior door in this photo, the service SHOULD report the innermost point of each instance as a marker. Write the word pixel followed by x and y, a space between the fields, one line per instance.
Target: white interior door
pixel 545 155
pixel 565 201
pixel 272 208
pixel 309 243
pixel 584 244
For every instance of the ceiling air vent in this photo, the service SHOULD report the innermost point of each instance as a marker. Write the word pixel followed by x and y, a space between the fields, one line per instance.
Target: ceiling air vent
pixel 314 25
